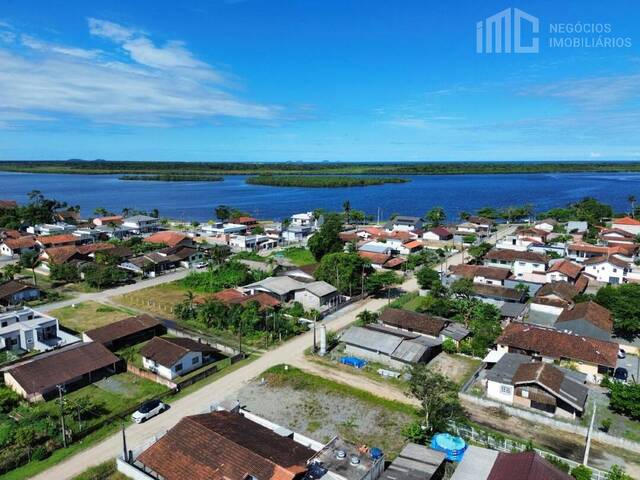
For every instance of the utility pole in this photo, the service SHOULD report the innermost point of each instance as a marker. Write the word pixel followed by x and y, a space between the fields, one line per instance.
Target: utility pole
pixel 585 460
pixel 125 453
pixel 64 434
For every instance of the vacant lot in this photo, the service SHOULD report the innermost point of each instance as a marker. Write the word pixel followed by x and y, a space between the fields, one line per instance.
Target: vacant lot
pixel 158 300
pixel 87 315
pixel 321 409
pixel 457 367
pixel 298 255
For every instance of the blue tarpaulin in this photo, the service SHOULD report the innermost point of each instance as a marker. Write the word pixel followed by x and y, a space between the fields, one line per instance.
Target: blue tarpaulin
pixel 353 361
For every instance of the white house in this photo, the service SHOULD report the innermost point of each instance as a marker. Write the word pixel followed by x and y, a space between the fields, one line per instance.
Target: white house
pixel 173 357
pixel 306 219
pixel 520 263
pixel 17 246
pixel 45 229
pixel 548 224
pixel 252 242
pixel 141 223
pixel 564 271
pixel 26 330
pixel 609 269
pixel 514 242
pixel 627 224
pixel 402 223
pixel 221 228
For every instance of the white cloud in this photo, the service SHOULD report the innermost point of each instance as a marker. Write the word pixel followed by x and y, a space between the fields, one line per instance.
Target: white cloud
pixel 156 86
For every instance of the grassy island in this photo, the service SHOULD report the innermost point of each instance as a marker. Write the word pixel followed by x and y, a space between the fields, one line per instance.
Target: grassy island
pixel 321 181
pixel 169 177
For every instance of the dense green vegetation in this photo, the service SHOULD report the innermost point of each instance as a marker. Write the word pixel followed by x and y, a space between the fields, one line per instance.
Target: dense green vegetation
pixel 173 177
pixel 405 168
pixel 624 303
pixel 321 181
pixel 226 275
pixel 327 239
pixel 39 210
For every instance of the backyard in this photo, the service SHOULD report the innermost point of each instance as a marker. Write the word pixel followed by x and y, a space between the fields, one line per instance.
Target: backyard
pixel 32 431
pixel 88 315
pixel 299 256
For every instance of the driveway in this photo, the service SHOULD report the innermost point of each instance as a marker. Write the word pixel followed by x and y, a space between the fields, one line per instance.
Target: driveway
pixel 632 364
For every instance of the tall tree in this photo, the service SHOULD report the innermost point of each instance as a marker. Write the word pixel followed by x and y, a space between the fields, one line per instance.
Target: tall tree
pixel 31 261
pixel 327 239
pixel 345 271
pixel 436 216
pixel 223 212
pixel 438 397
pixel 346 207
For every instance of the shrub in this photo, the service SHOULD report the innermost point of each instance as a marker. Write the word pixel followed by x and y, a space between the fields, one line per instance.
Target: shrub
pixel 449 346
pixel 564 466
pixel 606 424
pixel 39 453
pixel 581 472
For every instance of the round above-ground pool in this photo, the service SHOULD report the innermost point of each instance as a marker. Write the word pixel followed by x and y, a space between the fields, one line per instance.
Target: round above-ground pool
pixel 452 447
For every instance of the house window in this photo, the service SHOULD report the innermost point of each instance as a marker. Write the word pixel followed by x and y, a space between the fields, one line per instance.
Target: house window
pixel 195 360
pixel 178 367
pixel 505 389
pixel 525 393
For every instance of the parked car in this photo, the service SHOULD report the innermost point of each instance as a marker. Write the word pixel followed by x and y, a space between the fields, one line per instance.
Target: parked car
pixel 200 265
pixel 621 374
pixel 622 353
pixel 148 410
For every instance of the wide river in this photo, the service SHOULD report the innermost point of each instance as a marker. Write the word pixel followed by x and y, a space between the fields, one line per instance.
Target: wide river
pixel 196 200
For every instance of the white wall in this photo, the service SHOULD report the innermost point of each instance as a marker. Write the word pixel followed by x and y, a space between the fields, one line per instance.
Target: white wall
pixel 523 267
pixel 604 271
pixel 495 391
pixel 171 373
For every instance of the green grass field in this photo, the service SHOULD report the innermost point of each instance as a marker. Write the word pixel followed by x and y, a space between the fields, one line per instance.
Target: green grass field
pixel 87 315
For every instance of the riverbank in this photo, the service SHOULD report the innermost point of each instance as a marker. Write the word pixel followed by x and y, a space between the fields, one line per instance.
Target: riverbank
pixel 103 167
pixel 321 181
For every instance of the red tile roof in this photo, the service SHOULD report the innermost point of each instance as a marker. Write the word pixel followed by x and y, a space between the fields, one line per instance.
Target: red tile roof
pixel 441 232
pixel 568 268
pixel 413 244
pixel 414 322
pixel 46 371
pixel 513 255
pixel 552 343
pixel 613 260
pixel 167 238
pixel 58 239
pixel 590 312
pixel 167 351
pixel 6 204
pixel 470 271
pixel 225 446
pixel 375 258
pixel 525 466
pixel 626 221
pixel 20 243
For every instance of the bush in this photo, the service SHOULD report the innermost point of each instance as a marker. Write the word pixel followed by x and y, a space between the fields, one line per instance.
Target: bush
pixel 39 453
pixel 449 346
pixel 564 466
pixel 581 472
pixel 605 424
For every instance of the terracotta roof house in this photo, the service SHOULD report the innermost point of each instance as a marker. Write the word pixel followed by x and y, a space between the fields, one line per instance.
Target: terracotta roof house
pixel 591 356
pixel 72 367
pixel 60 255
pixel 247 221
pixel 437 234
pixel 111 219
pixel 484 464
pixel 170 239
pixel 16 246
pixel 382 260
pixel 587 319
pixel 8 204
pixel 497 293
pixel 62 240
pixel 564 270
pixel 414 322
pixel 581 251
pixel 558 294
pixel 510 256
pixel 224 446
pixel 173 357
pixel 627 224
pixel 516 380
pixel 128 331
pixel 232 296
pixel 13 292
pixel 480 273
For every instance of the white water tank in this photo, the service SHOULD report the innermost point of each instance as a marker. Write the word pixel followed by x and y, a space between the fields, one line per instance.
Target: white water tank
pixel 323 340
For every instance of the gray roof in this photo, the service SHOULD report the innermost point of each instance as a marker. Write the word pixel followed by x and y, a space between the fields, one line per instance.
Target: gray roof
pixel 505 369
pixel 513 310
pixel 476 464
pixel 409 351
pixel 456 331
pixel 415 462
pixel 545 319
pixel 371 340
pixel 138 218
pixel 320 288
pixel 374 247
pixel 277 285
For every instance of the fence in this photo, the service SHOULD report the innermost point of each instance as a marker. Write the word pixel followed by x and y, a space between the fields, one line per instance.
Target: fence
pixel 178 331
pixel 553 423
pixel 154 377
pixel 503 444
pixel 335 308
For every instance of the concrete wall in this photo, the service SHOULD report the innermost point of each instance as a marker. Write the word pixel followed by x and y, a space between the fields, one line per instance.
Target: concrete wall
pixel 374 357
pixel 494 391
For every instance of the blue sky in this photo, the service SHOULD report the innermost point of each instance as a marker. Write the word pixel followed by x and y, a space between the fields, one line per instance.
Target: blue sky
pixel 336 80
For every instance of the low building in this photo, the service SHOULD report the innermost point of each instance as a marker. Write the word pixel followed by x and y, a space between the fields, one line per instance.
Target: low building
pixel 607 269
pixel 17 246
pixel 497 295
pixel 554 297
pixel 404 223
pixel 170 239
pixel 108 220
pixel 222 228
pixel 438 234
pixel 587 319
pixel 564 271
pixel 627 224
pixel 222 445
pixel 318 295
pixel 52 241
pixel 416 462
pixel 72 367
pixel 390 346
pixel 141 224
pixel 484 464
pixel 13 292
pixel 516 380
pixel 520 263
pixel 424 324
pixel 591 356
pixel 581 251
pixel 480 274
pixel 174 357
pixel 574 226
pixel 126 332
pixel 547 224
pixel 26 330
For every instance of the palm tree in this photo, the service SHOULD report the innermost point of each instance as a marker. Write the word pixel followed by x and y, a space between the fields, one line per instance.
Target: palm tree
pixel 347 210
pixel 31 261
pixel 632 201
pixel 436 216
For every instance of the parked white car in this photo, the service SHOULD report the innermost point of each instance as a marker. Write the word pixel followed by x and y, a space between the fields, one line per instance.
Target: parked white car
pixel 148 410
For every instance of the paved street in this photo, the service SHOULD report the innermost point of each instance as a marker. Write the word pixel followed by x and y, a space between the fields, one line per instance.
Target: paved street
pixel 199 401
